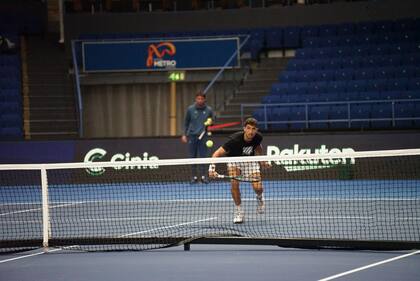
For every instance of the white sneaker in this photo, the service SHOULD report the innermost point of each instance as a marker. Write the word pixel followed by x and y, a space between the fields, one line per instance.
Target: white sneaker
pixel 261 205
pixel 238 216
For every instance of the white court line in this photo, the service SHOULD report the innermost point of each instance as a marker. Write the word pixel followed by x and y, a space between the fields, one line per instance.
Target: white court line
pixel 28 256
pixel 369 266
pixel 166 227
pixel 38 209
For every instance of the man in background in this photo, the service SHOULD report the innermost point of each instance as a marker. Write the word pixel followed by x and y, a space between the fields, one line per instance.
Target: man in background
pixel 197 114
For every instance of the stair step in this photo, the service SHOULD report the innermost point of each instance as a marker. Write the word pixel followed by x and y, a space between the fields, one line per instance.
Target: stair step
pixel 51 101
pixel 52 113
pixel 54 135
pixel 53 125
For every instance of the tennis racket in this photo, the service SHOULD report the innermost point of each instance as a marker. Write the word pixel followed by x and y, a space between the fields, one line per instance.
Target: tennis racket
pixel 240 178
pixel 216 127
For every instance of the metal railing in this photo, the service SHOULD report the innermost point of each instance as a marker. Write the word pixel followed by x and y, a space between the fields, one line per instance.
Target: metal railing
pixel 77 86
pixel 306 106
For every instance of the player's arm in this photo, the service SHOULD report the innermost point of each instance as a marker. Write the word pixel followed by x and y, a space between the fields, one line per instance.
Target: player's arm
pixel 186 125
pixel 220 152
pixel 258 152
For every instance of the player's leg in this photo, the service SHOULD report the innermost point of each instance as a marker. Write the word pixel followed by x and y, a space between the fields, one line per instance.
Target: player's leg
pixel 234 171
pixel 258 189
pixel 253 169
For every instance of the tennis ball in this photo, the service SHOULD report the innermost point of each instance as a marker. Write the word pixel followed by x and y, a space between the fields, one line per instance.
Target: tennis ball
pixel 209 143
pixel 208 122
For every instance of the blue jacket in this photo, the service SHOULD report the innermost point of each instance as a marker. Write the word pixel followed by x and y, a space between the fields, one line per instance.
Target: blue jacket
pixel 195 118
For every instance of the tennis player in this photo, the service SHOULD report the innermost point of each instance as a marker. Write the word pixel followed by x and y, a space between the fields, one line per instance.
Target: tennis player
pixel 243 143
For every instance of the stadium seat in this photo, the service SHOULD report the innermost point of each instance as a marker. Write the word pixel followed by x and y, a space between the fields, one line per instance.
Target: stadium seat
pixel 338 112
pixel 345 29
pixel 318 117
pixel 274 38
pixel 405 111
pixel 382 110
pixel 358 112
pixel 327 30
pixel 291 37
pixel 297 117
pixel 280 114
pixel 309 31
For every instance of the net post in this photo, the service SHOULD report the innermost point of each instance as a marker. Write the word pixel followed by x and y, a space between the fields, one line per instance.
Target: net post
pixel 187 246
pixel 45 210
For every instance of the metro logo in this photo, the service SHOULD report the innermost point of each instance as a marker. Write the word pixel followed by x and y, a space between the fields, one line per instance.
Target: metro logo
pixel 157 52
pixel 310 164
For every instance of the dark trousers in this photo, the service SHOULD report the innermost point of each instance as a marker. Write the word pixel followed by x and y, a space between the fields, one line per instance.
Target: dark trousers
pixel 198 149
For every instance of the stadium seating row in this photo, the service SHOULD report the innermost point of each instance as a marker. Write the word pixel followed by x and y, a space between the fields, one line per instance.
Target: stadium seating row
pixel 378 85
pixel 358 50
pixel 340 116
pixel 340 96
pixel 367 39
pixel 346 74
pixel 354 62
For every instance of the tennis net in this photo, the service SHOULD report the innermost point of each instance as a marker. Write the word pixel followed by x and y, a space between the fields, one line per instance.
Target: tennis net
pixel 359 200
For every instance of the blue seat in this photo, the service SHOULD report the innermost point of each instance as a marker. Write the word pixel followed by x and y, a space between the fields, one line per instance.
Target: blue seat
pixel 377 85
pixel 313 42
pixel 404 112
pixel 297 117
pixel 309 76
pixel 261 114
pixel 369 95
pixel 318 117
pixel 11 120
pixel 357 86
pixel 272 99
pixel 11 132
pixel 384 26
pixel 392 95
pixel 289 76
pixel 352 96
pixel 318 87
pixel 361 50
pixel 414 84
pixel 365 28
pixel 309 31
pixel 306 53
pixel 381 111
pixel 345 29
pixel 291 37
pixel 280 114
pixel 344 74
pixel 405 25
pixel 364 74
pixel 279 89
pixel 400 84
pixel 337 87
pixel 406 72
pixel 327 30
pixel 10 107
pixel 360 115
pixel 417 114
pixel 274 38
pixel 385 73
pixel 326 75
pixel 338 116
pixel 411 94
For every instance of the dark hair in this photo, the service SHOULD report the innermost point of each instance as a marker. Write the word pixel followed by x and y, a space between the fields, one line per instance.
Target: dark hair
pixel 200 94
pixel 251 121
